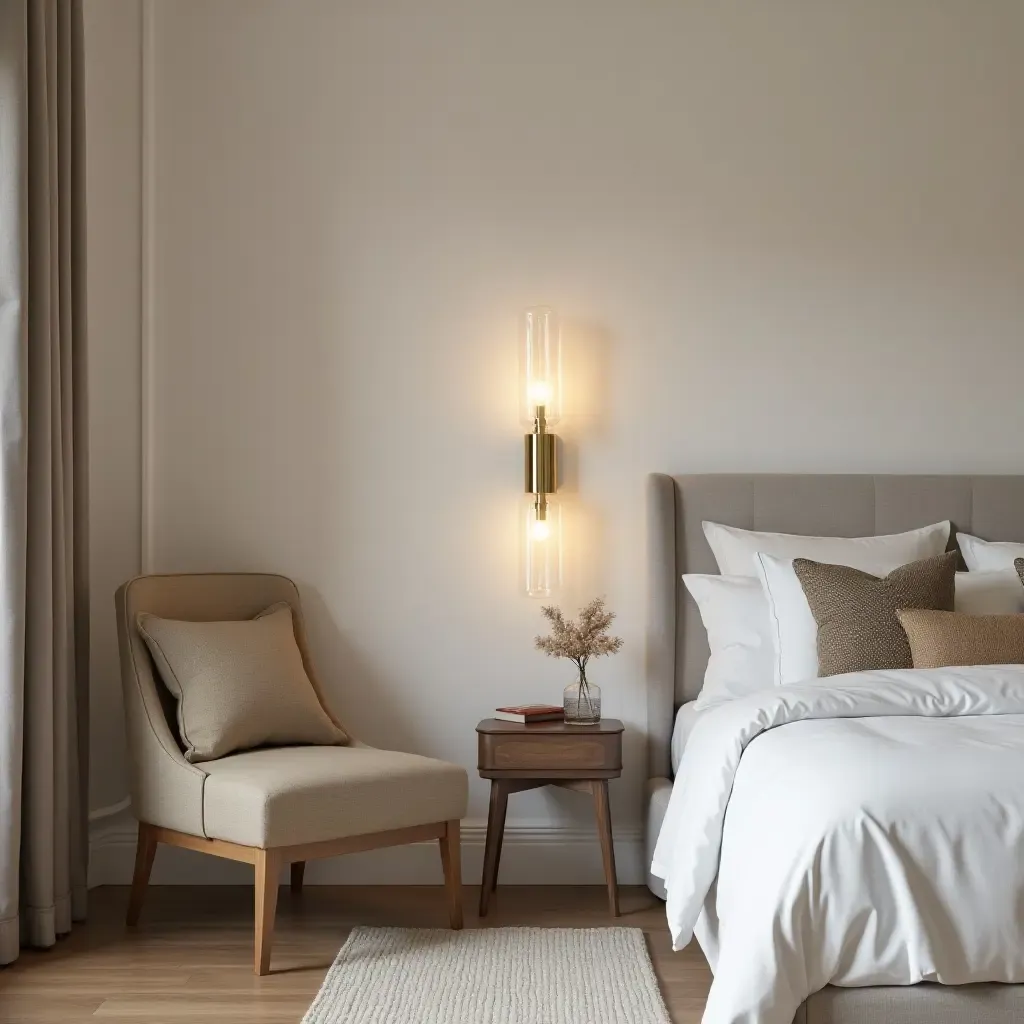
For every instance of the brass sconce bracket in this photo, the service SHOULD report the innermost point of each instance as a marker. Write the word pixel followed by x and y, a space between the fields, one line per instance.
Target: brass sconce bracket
pixel 541 461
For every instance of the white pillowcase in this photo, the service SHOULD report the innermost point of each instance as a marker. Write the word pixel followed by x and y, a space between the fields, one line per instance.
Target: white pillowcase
pixel 734 611
pixel 734 549
pixel 986 555
pixel 989 593
pixel 794 631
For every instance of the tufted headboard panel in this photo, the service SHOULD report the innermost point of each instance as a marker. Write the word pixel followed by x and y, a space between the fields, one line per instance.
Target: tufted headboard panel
pixel 991 507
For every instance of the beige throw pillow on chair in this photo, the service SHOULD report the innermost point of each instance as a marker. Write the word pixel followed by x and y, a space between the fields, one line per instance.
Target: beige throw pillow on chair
pixel 238 684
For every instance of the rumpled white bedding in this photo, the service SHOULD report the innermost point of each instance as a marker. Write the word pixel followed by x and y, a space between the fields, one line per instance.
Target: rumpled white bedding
pixel 862 830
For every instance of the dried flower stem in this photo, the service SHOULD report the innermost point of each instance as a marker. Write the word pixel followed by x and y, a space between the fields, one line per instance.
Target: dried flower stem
pixel 580 641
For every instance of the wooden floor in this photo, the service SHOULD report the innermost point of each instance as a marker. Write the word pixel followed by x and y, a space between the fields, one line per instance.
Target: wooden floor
pixel 190 959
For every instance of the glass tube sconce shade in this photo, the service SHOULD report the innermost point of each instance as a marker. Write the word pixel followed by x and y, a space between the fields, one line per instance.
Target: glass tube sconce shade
pixel 542 540
pixel 540 366
pixel 540 390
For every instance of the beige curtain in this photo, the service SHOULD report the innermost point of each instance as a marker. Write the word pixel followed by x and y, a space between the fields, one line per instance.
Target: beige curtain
pixel 43 499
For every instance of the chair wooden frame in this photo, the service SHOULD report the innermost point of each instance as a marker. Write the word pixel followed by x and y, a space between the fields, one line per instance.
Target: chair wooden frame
pixel 268 863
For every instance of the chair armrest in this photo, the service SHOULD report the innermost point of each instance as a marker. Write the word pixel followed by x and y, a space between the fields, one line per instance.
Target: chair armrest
pixel 166 789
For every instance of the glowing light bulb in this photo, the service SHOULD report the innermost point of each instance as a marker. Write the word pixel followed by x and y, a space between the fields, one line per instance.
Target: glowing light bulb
pixel 540 392
pixel 540 529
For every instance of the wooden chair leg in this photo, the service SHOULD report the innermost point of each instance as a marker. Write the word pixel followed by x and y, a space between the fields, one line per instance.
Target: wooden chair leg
pixel 298 869
pixel 145 851
pixel 267 867
pixel 451 861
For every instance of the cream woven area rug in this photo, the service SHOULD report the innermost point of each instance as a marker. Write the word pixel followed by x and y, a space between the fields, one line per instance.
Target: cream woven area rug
pixel 491 976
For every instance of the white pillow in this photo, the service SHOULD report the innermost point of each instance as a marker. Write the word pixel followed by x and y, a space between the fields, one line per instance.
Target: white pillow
pixel 794 631
pixel 734 611
pixel 989 593
pixel 734 549
pixel 986 555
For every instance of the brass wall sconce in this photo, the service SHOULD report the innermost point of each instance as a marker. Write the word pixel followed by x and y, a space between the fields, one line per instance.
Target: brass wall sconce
pixel 540 407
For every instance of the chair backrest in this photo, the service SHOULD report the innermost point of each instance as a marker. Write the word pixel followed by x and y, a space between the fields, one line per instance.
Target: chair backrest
pixel 150 713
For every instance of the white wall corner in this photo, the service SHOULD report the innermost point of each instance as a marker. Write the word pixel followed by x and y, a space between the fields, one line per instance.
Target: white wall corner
pixel 533 853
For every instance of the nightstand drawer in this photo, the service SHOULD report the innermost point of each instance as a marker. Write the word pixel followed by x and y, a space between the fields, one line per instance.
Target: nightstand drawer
pixel 550 752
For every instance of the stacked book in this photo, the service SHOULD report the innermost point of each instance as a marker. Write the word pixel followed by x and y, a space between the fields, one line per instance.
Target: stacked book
pixel 527 714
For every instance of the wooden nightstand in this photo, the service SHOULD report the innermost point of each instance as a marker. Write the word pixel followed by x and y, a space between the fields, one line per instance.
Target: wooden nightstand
pixel 519 757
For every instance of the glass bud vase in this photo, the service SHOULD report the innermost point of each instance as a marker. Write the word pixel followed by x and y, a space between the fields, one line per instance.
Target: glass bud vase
pixel 581 702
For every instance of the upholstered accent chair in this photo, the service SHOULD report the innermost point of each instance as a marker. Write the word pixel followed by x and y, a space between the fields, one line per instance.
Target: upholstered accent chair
pixel 274 805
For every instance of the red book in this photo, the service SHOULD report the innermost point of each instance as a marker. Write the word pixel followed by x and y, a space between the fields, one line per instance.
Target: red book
pixel 527 713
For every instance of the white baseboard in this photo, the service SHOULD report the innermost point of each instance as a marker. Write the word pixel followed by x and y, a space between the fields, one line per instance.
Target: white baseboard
pixel 539 853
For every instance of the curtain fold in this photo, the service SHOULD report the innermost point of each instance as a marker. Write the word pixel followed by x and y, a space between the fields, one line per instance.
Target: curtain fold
pixel 43 482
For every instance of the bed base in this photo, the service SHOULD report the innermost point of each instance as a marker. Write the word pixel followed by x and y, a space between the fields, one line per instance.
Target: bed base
pixel 915 1004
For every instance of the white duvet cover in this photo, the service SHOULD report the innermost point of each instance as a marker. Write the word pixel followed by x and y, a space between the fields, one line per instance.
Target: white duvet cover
pixel 862 830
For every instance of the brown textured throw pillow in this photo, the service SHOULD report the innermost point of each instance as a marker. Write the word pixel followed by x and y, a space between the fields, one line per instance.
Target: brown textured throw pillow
pixel 1018 564
pixel 938 639
pixel 856 612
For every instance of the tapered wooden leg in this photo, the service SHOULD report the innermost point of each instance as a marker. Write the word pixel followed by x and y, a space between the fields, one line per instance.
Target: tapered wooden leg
pixel 599 787
pixel 145 851
pixel 499 840
pixel 297 871
pixel 267 866
pixel 451 861
pixel 492 846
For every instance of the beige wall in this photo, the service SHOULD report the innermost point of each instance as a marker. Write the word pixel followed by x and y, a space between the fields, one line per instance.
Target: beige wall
pixel 113 113
pixel 784 236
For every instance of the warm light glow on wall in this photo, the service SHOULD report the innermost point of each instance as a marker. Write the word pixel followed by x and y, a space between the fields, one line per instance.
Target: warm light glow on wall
pixel 540 390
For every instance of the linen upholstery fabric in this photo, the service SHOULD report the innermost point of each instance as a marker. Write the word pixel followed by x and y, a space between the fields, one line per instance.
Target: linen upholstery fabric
pixel 171 792
pixel 238 684
pixel 44 570
pixel 858 628
pixel 938 639
pixel 914 1004
pixel 166 789
pixel 292 795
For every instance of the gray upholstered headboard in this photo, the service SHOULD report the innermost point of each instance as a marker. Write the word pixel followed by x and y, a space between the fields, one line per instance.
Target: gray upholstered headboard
pixel 840 506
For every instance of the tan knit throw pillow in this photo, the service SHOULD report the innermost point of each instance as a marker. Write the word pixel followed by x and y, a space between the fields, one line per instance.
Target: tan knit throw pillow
pixel 938 639
pixel 238 684
pixel 1018 564
pixel 856 612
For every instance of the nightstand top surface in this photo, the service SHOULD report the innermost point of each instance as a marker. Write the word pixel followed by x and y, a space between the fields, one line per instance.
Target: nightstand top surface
pixel 495 725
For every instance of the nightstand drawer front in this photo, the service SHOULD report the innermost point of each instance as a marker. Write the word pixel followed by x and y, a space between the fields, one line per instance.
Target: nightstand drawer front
pixel 529 753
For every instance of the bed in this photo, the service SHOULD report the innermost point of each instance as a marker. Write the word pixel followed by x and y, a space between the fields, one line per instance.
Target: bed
pixel 677 652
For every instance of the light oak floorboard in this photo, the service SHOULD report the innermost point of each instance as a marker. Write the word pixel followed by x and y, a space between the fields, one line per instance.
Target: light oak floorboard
pixel 190 958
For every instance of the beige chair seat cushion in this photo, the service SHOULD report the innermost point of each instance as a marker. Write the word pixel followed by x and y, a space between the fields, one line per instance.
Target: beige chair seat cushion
pixel 290 795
